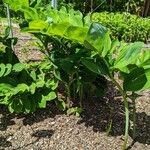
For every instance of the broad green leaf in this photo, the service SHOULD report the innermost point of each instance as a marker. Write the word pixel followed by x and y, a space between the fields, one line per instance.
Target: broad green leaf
pixel 20 88
pixel 17 4
pixel 147 85
pixel 33 75
pixel 5 88
pixel 35 3
pixel 128 55
pixel 114 46
pixel 30 13
pixel 19 67
pixel 8 69
pixel 32 88
pixel 106 44
pixel 91 66
pixel 51 84
pixel 144 59
pixel 45 65
pixel 2 70
pixel 40 83
pixel 4 100
pixel 60 23
pixel 95 67
pixel 75 18
pixel 58 29
pixel 135 80
pixel 76 33
pixel 49 97
pixel 38 25
pixel 98 39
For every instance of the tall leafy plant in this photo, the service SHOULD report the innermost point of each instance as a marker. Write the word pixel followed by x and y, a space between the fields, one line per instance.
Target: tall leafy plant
pixel 129 61
pixel 65 53
pixel 109 58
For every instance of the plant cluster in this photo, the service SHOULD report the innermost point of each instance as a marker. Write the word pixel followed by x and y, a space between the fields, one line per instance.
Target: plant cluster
pixel 127 27
pixel 24 87
pixel 83 57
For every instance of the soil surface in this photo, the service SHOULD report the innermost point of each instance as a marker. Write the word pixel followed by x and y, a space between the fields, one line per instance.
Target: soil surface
pixel 50 129
pixel 100 126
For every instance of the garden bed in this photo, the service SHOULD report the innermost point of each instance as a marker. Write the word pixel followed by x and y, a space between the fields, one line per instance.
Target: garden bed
pixel 50 129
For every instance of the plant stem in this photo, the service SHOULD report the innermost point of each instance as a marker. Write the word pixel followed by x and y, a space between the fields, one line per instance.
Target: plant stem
pixel 9 21
pixel 81 95
pixel 134 119
pixel 68 97
pixel 124 95
pixel 127 122
pixel 11 30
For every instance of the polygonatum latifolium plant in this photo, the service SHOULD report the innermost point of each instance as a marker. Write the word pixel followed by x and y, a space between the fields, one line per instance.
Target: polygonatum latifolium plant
pixel 104 57
pixel 24 87
pixel 109 58
pixel 65 53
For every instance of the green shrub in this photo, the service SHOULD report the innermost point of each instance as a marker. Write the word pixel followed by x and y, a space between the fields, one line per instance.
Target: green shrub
pixel 125 26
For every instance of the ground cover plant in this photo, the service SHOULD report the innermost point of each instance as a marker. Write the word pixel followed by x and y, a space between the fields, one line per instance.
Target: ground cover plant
pixel 82 53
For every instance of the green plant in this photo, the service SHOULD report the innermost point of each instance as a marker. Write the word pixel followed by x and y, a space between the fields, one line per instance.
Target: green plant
pixel 24 87
pixel 129 61
pixel 127 27
pixel 109 58
pixel 95 50
pixel 64 54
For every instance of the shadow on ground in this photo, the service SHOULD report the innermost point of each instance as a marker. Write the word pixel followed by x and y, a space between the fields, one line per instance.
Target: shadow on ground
pixel 40 115
pixel 4 143
pixel 43 133
pixel 107 115
pixel 38 134
pixel 6 119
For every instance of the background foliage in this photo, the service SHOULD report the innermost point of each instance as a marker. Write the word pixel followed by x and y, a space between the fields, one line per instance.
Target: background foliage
pixel 131 6
pixel 125 26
